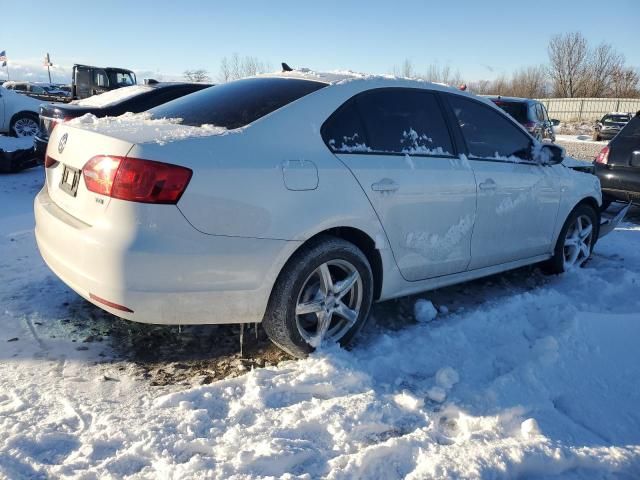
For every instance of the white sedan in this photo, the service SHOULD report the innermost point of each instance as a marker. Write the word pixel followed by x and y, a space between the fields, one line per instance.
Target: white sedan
pixel 299 199
pixel 18 113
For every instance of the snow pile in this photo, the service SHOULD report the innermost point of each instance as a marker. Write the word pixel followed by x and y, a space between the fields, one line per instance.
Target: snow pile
pixel 424 311
pixel 536 377
pixel 113 96
pixel 142 128
pixel 12 144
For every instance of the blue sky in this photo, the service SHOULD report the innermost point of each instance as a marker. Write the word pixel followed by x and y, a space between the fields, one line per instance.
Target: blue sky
pixel 480 38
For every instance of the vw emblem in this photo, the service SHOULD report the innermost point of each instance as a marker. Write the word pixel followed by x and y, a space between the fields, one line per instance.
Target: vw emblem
pixel 63 142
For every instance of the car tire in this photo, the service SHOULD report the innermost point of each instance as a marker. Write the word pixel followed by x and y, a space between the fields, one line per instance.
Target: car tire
pixel 574 236
pixel 311 296
pixel 24 125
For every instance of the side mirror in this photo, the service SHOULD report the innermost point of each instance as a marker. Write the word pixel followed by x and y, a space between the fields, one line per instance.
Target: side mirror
pixel 548 153
pixel 554 122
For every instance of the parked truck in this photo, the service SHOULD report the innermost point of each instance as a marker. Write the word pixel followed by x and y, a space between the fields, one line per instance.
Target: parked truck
pixel 87 80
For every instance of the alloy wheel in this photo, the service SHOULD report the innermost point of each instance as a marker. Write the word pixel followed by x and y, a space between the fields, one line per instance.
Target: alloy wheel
pixel 329 302
pixel 578 241
pixel 25 127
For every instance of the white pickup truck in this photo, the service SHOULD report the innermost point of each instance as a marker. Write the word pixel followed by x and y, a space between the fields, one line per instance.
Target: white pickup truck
pixel 18 113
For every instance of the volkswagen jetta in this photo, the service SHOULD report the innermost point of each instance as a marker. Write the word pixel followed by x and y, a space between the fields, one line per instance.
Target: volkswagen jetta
pixel 299 199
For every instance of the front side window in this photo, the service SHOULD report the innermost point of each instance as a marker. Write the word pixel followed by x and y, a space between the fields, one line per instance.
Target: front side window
pixel 389 120
pixel 236 104
pixel 488 133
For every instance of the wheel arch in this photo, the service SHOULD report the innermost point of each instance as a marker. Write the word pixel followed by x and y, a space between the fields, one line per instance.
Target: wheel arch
pixel 21 113
pixel 360 239
pixel 593 203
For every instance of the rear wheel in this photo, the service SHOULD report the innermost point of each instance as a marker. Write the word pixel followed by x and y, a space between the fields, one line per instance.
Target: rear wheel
pixel 25 125
pixel 576 240
pixel 323 294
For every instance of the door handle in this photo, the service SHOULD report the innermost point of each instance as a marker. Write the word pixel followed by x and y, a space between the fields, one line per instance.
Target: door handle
pixel 385 185
pixel 488 184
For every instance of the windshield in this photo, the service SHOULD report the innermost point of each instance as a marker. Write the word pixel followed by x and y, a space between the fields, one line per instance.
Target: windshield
pixel 236 104
pixel 615 119
pixel 517 110
pixel 121 79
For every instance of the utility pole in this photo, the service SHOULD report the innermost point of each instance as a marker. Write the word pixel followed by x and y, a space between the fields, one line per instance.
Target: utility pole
pixel 48 64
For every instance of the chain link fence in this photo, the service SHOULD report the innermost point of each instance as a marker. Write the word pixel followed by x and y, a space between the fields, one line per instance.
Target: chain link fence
pixel 587 109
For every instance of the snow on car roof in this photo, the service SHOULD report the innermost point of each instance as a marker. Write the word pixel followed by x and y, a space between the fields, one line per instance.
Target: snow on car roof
pixel 112 97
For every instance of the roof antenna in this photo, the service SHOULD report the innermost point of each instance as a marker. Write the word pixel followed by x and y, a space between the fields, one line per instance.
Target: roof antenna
pixel 286 68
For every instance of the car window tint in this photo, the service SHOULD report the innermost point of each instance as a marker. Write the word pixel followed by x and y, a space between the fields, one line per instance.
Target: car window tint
pixel 344 132
pixel 236 104
pixel 408 121
pixel 487 132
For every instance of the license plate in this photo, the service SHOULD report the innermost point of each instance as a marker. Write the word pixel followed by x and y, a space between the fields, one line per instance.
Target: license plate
pixel 70 180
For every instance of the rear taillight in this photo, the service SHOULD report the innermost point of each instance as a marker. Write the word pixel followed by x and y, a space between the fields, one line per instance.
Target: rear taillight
pixel 603 156
pixel 49 162
pixel 135 179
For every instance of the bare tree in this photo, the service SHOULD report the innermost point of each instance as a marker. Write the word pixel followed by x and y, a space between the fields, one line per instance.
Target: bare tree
pixel 199 76
pixel 405 70
pixel 603 62
pixel 236 67
pixel 568 64
pixel 529 82
pixel 442 74
pixel 625 82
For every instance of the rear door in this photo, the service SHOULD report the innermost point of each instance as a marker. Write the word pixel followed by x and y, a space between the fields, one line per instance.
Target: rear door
pixel 397 144
pixel 624 158
pixel 518 199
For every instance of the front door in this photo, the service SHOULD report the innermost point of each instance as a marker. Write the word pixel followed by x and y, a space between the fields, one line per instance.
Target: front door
pixel 518 198
pixel 397 144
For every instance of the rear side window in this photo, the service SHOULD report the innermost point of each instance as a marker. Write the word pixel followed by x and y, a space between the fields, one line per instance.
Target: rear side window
pixel 390 120
pixel 236 104
pixel 487 132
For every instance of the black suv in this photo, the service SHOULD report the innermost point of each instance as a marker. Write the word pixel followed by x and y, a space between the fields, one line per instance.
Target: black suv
pixel 140 99
pixel 531 114
pixel 609 126
pixel 618 165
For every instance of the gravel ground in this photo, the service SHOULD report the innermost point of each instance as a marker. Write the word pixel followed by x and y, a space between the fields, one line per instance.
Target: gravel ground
pixel 581 150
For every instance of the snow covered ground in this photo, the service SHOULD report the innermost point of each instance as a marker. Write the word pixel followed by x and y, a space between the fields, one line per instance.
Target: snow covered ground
pixel 580 138
pixel 517 376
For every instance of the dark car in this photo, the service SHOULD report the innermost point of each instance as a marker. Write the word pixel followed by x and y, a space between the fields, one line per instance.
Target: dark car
pixel 618 165
pixel 609 126
pixel 134 99
pixel 531 114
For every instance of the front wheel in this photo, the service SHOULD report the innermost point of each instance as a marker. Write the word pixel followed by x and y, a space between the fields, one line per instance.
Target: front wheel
pixel 323 294
pixel 576 240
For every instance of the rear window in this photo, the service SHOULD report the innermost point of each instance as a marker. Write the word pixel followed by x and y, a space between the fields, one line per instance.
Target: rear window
pixel 236 104
pixel 517 110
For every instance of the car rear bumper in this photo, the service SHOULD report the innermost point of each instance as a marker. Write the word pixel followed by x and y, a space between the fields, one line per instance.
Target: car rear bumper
pixel 161 275
pixel 608 134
